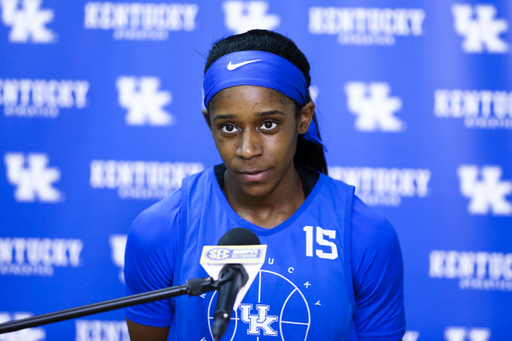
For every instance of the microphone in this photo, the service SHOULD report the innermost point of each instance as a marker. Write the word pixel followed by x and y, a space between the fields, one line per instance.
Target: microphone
pixel 234 277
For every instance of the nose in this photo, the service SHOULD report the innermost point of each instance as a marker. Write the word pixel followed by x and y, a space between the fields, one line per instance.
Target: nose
pixel 249 145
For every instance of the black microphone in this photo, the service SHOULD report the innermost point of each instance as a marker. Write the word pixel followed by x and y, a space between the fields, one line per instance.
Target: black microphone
pixel 234 277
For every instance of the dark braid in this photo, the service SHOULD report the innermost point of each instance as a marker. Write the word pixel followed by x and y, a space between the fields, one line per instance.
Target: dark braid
pixel 308 153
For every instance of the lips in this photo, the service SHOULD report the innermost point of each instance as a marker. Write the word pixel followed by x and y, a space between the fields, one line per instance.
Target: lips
pixel 254 176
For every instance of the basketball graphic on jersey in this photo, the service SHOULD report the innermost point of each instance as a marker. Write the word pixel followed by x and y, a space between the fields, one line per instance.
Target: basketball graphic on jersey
pixel 273 309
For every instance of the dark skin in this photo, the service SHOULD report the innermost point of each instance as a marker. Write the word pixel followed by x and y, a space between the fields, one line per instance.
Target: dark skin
pixel 255 130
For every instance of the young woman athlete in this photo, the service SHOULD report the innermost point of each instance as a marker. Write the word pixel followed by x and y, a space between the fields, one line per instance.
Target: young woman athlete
pixel 334 269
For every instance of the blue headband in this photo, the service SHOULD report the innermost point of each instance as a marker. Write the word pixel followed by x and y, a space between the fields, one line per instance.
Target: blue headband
pixel 259 69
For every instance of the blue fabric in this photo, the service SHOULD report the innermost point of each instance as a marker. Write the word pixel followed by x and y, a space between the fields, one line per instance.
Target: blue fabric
pixel 263 69
pixel 359 294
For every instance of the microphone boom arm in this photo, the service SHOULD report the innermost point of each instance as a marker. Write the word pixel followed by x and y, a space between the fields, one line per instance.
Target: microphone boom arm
pixel 194 287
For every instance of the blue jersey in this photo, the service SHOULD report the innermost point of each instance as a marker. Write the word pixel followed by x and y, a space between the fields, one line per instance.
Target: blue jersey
pixel 311 287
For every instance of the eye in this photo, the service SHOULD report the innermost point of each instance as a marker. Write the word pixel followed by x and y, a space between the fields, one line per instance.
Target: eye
pixel 268 125
pixel 229 128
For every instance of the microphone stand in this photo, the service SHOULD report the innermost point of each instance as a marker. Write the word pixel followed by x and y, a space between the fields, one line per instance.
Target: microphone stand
pixel 194 287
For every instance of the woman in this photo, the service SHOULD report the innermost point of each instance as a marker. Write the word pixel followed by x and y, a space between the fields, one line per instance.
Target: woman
pixel 334 269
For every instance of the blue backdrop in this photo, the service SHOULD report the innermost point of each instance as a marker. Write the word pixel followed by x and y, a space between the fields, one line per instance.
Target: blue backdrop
pixel 101 104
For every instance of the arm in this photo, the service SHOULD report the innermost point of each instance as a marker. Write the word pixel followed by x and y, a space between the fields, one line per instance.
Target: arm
pixel 140 332
pixel 149 265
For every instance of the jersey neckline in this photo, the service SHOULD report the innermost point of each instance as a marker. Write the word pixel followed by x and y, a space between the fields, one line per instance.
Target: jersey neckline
pixel 241 222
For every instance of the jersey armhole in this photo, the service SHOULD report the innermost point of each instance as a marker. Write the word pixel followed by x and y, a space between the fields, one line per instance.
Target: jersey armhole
pixel 184 199
pixel 347 249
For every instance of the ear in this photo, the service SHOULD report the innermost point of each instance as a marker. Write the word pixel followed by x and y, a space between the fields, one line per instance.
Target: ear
pixel 306 115
pixel 206 116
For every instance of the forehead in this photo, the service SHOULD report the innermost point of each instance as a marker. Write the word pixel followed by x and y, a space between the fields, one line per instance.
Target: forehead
pixel 249 96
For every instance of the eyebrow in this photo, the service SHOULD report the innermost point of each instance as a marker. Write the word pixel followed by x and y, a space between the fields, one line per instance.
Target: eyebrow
pixel 260 114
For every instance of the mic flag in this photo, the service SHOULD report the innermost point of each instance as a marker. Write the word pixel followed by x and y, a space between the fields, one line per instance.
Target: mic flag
pixel 252 257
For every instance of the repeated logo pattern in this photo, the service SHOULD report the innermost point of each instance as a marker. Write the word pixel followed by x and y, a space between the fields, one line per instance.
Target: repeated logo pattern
pixel 27 21
pixel 374 107
pixel 32 177
pixel 44 101
pixel 482 32
pixel 242 16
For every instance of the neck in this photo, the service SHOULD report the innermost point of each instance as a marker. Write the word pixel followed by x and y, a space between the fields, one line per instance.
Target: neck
pixel 272 208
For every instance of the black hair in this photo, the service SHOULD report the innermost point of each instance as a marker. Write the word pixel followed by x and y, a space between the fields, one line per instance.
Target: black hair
pixel 308 153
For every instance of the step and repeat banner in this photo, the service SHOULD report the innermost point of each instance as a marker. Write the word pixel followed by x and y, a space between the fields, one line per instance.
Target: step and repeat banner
pixel 100 105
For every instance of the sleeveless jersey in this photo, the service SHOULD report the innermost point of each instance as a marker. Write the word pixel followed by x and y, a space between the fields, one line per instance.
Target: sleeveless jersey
pixel 304 289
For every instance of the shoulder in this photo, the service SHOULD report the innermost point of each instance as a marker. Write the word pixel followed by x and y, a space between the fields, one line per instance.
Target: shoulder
pixel 156 228
pixel 370 226
pixel 372 238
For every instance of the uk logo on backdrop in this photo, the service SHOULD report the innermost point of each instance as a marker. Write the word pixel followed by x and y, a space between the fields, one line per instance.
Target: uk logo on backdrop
pixel 144 101
pixel 486 271
pixel 38 257
pixel 487 192
pixel 32 178
pixel 30 334
pixel 480 28
pixel 118 247
pixel 96 330
pixel 242 16
pixel 384 186
pixel 366 26
pixel 411 335
pixel 28 21
pixel 467 334
pixel 30 98
pixel 140 21
pixel 480 109
pixel 143 180
pixel 373 107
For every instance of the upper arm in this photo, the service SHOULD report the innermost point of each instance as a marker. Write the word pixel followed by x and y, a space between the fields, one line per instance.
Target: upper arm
pixel 140 332
pixel 149 261
pixel 377 271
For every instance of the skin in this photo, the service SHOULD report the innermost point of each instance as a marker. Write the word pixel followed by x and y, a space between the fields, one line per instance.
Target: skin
pixel 255 130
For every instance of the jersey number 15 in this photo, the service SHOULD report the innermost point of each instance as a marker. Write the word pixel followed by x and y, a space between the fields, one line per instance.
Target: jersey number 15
pixel 321 236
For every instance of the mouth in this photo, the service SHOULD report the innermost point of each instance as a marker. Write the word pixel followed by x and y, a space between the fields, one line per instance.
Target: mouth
pixel 254 176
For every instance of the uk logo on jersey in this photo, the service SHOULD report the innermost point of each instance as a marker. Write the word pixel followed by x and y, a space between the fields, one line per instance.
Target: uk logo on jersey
pixel 144 101
pixel 242 16
pixel 486 192
pixel 30 334
pixel 118 247
pixel 467 334
pixel 32 177
pixel 260 322
pixel 27 21
pixel 374 107
pixel 287 318
pixel 480 28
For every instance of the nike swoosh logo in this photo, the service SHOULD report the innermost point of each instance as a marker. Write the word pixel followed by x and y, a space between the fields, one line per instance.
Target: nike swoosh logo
pixel 232 67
